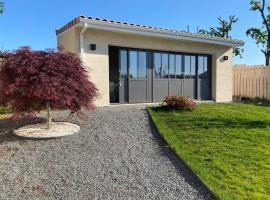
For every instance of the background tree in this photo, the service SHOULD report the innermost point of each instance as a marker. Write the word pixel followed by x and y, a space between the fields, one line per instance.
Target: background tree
pixel 261 35
pixel 223 31
pixel 39 80
pixel 2 7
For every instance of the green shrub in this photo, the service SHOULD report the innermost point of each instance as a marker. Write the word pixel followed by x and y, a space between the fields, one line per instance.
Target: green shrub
pixel 256 100
pixel 179 103
pixel 5 110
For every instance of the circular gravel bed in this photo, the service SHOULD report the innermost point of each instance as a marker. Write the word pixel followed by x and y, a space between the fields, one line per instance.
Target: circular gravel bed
pixel 40 131
pixel 117 155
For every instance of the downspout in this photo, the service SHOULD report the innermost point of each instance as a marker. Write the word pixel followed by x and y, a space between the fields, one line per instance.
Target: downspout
pixel 82 40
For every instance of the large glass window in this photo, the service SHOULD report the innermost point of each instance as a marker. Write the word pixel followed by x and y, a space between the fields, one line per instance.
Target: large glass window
pixel 142 67
pixel 133 64
pixel 178 66
pixel 202 67
pixel 157 65
pixel 171 66
pixel 190 66
pixel 123 63
pixel 137 64
pixel 165 65
pixel 187 66
pixel 161 65
pixel 193 67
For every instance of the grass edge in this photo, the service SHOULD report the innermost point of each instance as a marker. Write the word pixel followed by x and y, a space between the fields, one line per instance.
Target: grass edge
pixel 152 120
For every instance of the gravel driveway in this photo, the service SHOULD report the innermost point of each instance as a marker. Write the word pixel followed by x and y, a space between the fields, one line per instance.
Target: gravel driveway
pixel 116 155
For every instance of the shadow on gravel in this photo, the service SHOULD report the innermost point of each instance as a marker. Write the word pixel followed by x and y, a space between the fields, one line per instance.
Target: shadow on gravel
pixel 182 169
pixel 7 127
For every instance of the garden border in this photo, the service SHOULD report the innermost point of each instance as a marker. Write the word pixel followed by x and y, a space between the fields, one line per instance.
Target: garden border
pixel 184 162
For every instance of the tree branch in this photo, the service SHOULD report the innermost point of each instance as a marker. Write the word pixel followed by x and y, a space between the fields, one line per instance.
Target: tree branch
pixel 232 20
pixel 263 15
pixel 264 52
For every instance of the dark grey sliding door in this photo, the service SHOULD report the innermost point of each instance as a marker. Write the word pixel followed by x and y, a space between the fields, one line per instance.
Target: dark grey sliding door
pixel 160 76
pixel 123 80
pixel 138 65
pixel 175 74
pixel 203 87
pixel 189 81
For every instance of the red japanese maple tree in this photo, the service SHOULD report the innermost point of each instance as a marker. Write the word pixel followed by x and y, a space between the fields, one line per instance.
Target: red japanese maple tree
pixel 38 80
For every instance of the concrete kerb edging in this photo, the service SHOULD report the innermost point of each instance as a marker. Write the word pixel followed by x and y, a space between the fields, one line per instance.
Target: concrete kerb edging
pixel 184 162
pixel 40 130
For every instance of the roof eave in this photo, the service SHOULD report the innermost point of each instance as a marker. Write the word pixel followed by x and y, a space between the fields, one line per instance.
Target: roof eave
pixel 159 34
pixel 149 32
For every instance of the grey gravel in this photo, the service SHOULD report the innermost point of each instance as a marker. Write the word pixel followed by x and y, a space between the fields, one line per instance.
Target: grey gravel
pixel 116 155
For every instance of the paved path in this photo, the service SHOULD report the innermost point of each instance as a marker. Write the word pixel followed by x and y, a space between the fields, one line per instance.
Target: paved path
pixel 117 155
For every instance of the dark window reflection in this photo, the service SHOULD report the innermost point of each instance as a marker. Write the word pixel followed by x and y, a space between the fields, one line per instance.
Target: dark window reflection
pixel 123 63
pixel 192 67
pixel 165 66
pixel 203 67
pixel 172 66
pixel 133 63
pixel 178 66
pixel 157 65
pixel 187 66
pixel 142 67
pixel 137 64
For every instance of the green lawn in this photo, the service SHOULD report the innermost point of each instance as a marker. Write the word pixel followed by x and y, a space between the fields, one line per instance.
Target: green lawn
pixel 228 145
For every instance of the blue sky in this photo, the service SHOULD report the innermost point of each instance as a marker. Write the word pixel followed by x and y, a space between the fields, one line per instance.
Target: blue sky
pixel 33 22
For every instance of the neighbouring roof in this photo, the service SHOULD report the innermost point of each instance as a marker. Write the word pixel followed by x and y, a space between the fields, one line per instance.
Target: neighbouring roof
pixel 111 25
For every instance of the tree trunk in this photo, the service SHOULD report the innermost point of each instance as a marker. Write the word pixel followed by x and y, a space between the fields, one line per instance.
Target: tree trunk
pixel 49 116
pixel 267 55
pixel 267 59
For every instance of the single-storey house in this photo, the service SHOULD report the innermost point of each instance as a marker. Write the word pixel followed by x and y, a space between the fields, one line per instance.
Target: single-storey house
pixel 132 63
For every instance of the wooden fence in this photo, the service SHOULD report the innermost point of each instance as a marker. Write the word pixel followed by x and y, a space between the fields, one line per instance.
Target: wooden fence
pixel 251 81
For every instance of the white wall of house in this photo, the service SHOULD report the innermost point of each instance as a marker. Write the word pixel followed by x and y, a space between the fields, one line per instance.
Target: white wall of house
pixel 97 62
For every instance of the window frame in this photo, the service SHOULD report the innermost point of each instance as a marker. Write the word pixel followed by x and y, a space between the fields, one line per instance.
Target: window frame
pixel 137 64
pixel 121 76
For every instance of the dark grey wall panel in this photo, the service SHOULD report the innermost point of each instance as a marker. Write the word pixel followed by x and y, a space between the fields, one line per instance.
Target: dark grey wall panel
pixel 189 89
pixel 175 87
pixel 138 91
pixel 203 89
pixel 123 91
pixel 160 89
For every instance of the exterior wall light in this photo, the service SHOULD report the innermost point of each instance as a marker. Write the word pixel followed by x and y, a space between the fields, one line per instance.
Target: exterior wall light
pixel 226 57
pixel 93 47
